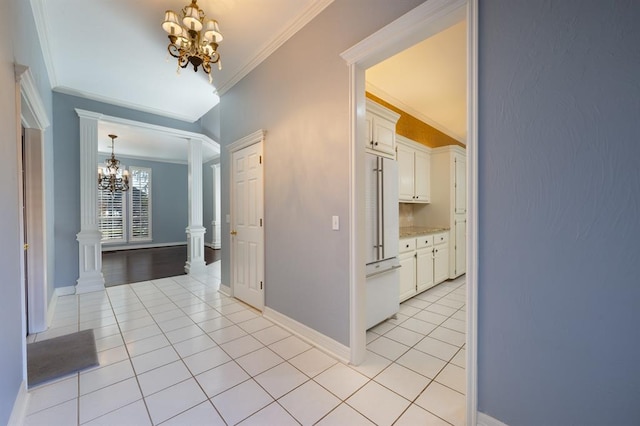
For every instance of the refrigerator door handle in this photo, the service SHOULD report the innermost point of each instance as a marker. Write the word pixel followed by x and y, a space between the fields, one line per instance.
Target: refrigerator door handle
pixel 380 181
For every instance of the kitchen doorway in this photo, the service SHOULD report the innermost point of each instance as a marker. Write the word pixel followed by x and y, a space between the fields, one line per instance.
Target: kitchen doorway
pixel 424 21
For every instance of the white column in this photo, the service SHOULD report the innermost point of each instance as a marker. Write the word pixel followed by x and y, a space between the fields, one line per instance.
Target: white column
pixel 216 225
pixel 195 231
pixel 89 250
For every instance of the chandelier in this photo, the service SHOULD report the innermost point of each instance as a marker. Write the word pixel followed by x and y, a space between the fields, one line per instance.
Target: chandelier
pixel 193 40
pixel 110 177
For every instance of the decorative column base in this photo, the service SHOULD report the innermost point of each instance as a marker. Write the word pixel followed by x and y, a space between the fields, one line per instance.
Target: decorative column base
pixel 195 250
pixel 90 262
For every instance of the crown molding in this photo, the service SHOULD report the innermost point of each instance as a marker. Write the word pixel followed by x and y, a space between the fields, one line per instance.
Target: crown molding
pixel 375 90
pixel 246 141
pixel 40 17
pixel 124 104
pixel 272 45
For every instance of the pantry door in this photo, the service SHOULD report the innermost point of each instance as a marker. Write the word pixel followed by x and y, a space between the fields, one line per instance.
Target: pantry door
pixel 247 236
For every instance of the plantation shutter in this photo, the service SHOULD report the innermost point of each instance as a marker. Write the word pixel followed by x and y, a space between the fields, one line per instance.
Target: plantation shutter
pixel 140 205
pixel 111 216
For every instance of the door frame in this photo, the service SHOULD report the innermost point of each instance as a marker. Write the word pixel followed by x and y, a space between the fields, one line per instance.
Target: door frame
pixel 247 141
pixel 418 24
pixel 34 119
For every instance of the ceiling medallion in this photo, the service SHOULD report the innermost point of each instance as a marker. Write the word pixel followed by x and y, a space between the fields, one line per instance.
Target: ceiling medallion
pixel 193 38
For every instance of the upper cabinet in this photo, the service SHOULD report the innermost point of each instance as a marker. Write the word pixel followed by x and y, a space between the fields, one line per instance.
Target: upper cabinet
pixel 381 129
pixel 414 176
pixel 460 183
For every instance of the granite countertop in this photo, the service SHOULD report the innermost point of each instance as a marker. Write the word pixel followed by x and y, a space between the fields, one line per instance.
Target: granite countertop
pixel 416 231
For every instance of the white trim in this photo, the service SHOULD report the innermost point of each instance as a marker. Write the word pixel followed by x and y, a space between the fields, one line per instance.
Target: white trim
pixel 425 20
pixel 124 104
pixel 40 17
pixel 472 212
pixel 210 245
pixel 35 120
pixel 65 291
pixel 428 19
pixel 487 420
pixel 19 411
pixel 30 99
pixel 148 126
pixel 226 290
pixel 413 112
pixel 299 21
pixel 309 335
pixel 255 137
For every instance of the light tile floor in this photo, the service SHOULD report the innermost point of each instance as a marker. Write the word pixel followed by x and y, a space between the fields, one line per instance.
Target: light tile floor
pixel 175 351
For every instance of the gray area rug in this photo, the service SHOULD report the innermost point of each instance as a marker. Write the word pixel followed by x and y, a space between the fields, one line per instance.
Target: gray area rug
pixel 57 357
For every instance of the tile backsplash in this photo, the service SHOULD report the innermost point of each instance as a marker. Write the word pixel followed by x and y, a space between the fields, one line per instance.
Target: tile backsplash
pixel 406 217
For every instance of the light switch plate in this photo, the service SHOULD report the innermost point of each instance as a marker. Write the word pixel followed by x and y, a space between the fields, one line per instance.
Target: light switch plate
pixel 335 223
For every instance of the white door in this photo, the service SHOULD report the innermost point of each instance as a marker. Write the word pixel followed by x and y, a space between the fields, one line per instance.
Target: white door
pixel 247 237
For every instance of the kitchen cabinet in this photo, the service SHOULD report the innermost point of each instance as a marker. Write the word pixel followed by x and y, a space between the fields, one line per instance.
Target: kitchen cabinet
pixel 407 261
pixel 381 130
pixel 424 263
pixel 448 207
pixel 414 180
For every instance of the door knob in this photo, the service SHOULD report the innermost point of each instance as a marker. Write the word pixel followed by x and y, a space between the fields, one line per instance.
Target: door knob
pixel 233 232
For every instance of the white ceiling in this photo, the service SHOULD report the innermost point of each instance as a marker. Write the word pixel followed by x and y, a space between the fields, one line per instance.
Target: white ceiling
pixel 428 81
pixel 115 51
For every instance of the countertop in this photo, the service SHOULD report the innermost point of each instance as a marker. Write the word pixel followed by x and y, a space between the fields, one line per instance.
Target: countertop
pixel 416 231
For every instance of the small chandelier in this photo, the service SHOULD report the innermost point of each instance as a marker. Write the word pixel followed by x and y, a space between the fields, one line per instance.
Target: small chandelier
pixel 194 40
pixel 109 177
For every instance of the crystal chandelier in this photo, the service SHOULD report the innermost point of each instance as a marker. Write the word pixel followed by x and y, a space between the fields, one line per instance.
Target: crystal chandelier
pixel 193 40
pixel 110 178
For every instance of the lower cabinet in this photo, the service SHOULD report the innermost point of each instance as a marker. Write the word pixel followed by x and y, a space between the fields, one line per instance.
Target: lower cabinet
pixel 424 263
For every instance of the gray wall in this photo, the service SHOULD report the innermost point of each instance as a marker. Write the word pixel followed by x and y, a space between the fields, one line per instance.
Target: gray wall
pixel 10 314
pixel 66 174
pixel 300 96
pixel 559 192
pixel 169 200
pixel 21 45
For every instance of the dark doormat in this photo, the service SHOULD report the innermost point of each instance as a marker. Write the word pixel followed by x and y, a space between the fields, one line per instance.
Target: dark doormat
pixel 57 357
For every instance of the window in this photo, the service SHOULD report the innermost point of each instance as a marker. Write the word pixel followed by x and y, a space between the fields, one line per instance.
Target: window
pixel 140 204
pixel 126 217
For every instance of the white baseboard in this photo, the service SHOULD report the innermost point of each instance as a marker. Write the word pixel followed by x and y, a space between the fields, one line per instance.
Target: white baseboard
pixel 225 289
pixel 487 420
pixel 216 246
pixel 210 245
pixel 65 291
pixel 59 291
pixel 317 339
pixel 19 412
pixel 141 246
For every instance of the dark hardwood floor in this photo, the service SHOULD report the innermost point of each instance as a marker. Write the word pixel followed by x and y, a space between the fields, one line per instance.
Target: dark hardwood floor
pixel 130 266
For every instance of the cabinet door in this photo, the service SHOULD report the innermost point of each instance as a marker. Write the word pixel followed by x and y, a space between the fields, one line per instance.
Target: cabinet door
pixel 440 263
pixel 407 275
pixel 422 180
pixel 405 173
pixel 460 246
pixel 369 142
pixel 424 269
pixel 384 135
pixel 460 184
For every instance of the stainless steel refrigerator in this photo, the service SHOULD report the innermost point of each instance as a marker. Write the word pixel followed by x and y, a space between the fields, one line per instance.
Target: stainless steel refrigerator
pixel 382 227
